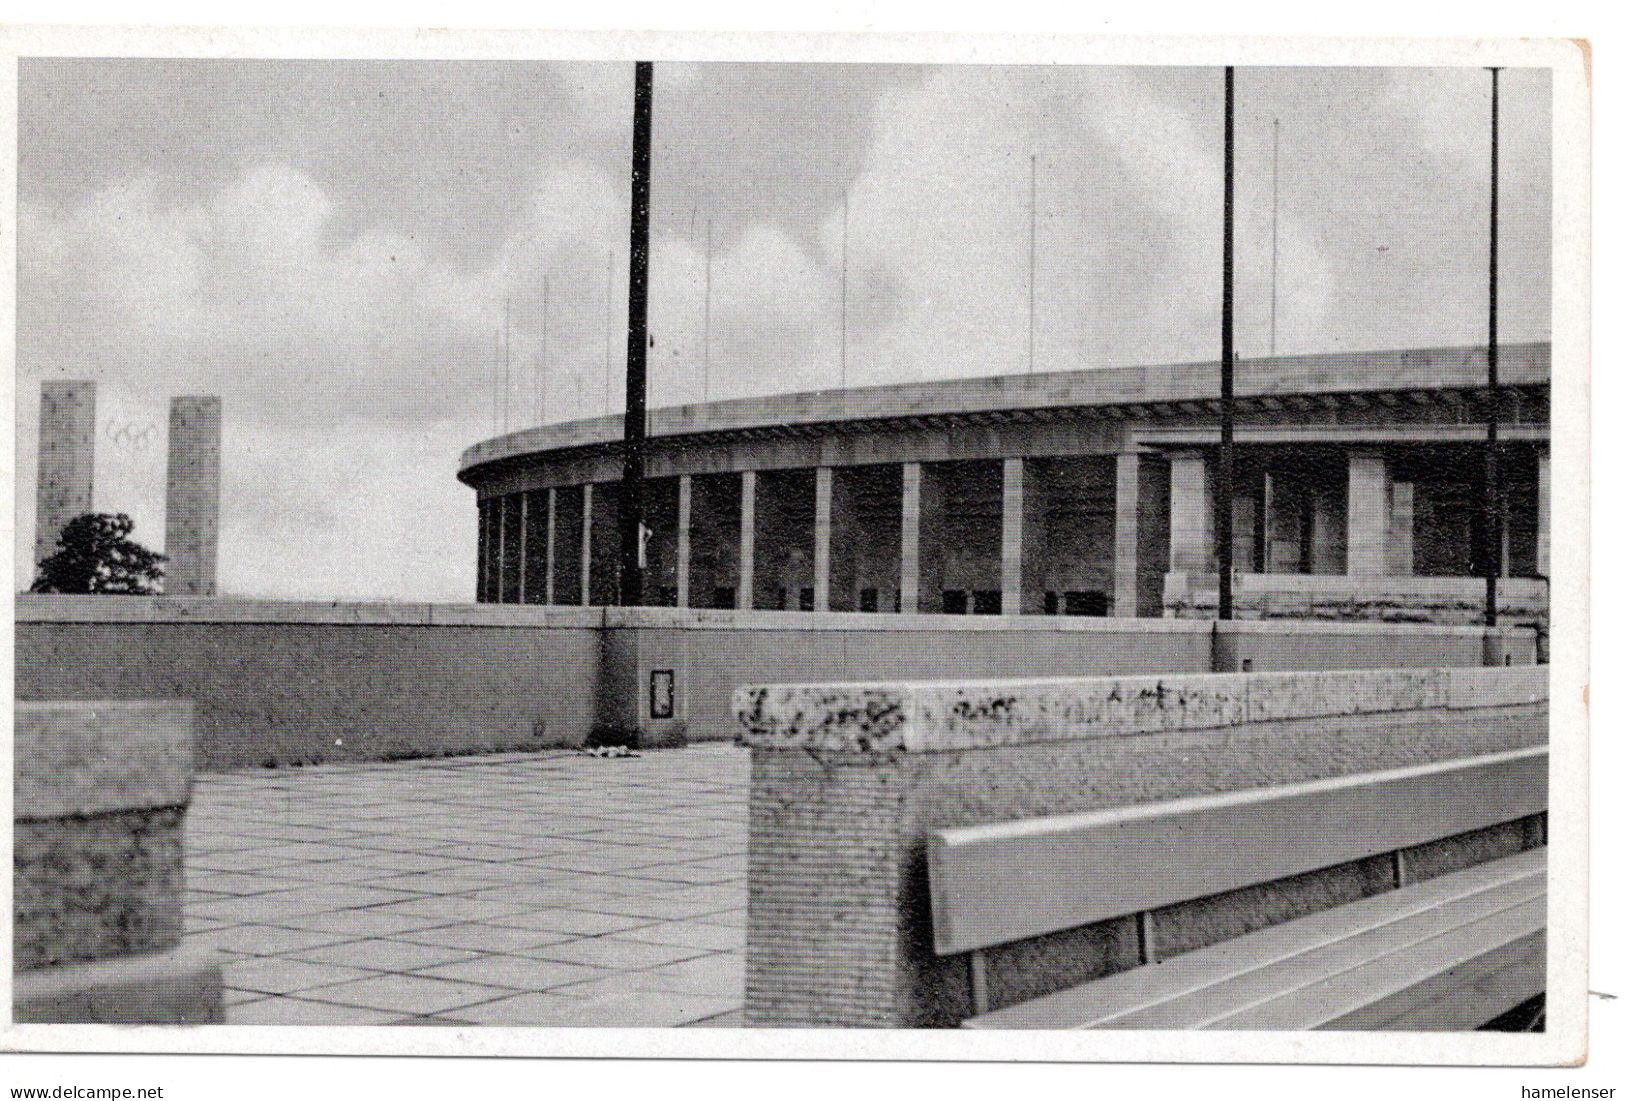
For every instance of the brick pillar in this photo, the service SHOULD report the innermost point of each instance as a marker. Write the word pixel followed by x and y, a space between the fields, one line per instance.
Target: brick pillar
pixel 1543 515
pixel 1367 514
pixel 745 598
pixel 909 549
pixel 586 545
pixel 1015 501
pixel 1190 514
pixel 1402 530
pixel 823 502
pixel 1126 538
pixel 685 511
pixel 67 452
pixel 552 527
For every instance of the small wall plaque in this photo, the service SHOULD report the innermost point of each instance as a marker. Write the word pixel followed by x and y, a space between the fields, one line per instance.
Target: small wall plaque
pixel 662 693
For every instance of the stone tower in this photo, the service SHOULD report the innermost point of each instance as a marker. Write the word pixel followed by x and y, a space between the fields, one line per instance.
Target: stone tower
pixel 67 452
pixel 192 513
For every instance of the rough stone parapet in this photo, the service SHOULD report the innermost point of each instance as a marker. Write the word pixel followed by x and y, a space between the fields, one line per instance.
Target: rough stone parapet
pixel 97 866
pixel 847 781
pixel 933 717
pixel 87 758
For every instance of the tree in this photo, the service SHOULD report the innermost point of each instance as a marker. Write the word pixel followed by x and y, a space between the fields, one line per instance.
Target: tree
pixel 98 556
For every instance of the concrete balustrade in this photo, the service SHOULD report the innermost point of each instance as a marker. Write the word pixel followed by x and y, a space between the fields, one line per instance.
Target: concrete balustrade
pixel 101 792
pixel 847 780
pixel 280 683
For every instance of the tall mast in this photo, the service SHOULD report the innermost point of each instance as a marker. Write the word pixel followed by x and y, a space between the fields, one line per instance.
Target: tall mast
pixel 1275 224
pixel 1227 395
pixel 1493 517
pixel 635 430
pixel 1032 254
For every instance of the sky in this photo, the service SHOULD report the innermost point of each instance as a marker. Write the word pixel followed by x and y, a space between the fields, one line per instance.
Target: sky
pixel 337 249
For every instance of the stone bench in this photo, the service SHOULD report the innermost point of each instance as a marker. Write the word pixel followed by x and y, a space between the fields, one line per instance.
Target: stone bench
pixel 850 782
pixel 1456 951
pixel 100 801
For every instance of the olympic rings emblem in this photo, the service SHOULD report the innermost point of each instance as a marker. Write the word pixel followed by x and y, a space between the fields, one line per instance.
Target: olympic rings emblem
pixel 130 436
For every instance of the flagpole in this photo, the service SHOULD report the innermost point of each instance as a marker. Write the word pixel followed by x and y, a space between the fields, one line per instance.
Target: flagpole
pixel 1227 396
pixel 705 376
pixel 1492 442
pixel 541 374
pixel 846 218
pixel 635 428
pixel 1032 256
pixel 1275 222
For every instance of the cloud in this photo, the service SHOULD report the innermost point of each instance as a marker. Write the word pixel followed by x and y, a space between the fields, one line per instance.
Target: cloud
pixel 342 274
pixel 353 369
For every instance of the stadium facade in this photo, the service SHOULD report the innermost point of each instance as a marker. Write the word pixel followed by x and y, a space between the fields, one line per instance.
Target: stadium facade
pixel 1359 495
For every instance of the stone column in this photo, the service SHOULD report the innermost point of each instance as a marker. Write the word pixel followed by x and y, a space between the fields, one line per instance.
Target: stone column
pixel 500 562
pixel 1402 530
pixel 552 538
pixel 909 551
pixel 1543 514
pixel 67 454
pixel 1015 499
pixel 524 540
pixel 823 500
pixel 1126 538
pixel 745 598
pixel 685 511
pixel 586 545
pixel 1367 514
pixel 192 514
pixel 1330 534
pixel 1190 514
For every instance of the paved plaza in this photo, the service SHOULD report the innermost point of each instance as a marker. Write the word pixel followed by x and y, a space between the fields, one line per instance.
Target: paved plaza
pixel 552 889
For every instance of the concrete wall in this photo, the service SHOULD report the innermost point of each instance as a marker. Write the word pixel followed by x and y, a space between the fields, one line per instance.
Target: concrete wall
pixel 711 653
pixel 285 682
pixel 847 780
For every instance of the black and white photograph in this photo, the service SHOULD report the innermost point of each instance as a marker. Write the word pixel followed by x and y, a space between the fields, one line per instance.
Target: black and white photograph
pixel 1029 552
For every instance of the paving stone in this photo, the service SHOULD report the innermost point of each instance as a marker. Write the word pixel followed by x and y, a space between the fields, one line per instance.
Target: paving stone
pixel 616 952
pixel 378 954
pixel 517 972
pixel 282 975
pixel 578 922
pixel 637 1010
pixel 454 908
pixel 603 893
pixel 653 907
pixel 691 934
pixel 486 938
pixel 297 1011
pixel 262 940
pixel 405 995
pixel 358 924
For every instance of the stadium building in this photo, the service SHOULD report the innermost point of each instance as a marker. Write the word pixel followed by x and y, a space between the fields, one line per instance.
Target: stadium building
pixel 1358 495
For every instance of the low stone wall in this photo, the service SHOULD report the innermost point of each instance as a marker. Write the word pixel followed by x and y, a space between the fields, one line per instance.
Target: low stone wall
pixel 1451 601
pixel 710 653
pixel 279 683
pixel 97 892
pixel 846 780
